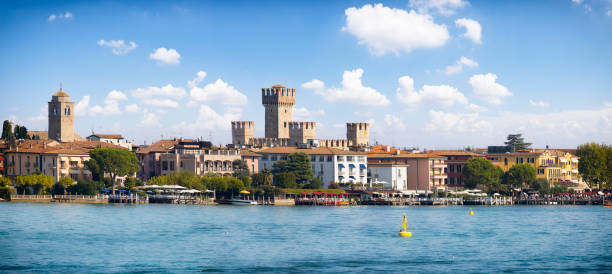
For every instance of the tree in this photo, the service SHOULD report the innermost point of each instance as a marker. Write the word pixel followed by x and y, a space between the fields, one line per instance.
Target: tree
pixel 593 163
pixel 7 129
pixel 299 164
pixel 21 132
pixel 516 143
pixel 480 171
pixel 286 180
pixel 130 183
pixel 35 183
pixel 5 182
pixel 521 174
pixel 315 183
pixel 542 185
pixel 86 187
pixel 65 183
pixel 241 171
pixel 115 162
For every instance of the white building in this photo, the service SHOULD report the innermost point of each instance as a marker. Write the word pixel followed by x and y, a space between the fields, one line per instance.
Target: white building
pixel 391 176
pixel 114 139
pixel 331 164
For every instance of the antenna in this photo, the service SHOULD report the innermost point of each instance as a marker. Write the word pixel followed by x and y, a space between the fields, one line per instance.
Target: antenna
pixel 60 85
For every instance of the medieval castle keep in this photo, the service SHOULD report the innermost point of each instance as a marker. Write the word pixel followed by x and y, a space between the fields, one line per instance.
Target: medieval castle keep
pixel 281 130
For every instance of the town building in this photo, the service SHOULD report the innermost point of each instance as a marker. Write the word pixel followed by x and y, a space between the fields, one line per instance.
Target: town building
pixel 178 155
pixel 455 160
pixel 61 117
pixel 252 160
pixel 401 170
pixel 281 130
pixel 51 158
pixel 555 165
pixel 331 164
pixel 114 139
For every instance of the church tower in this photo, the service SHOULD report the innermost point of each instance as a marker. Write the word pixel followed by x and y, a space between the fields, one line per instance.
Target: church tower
pixel 61 117
pixel 278 102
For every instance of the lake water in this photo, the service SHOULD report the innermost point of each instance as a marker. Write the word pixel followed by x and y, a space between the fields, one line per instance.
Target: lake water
pixel 175 238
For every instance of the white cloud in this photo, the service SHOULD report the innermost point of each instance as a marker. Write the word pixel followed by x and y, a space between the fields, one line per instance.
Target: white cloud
pixel 209 119
pixel 609 12
pixel 218 92
pixel 446 7
pixel 538 103
pixel 394 122
pixel 118 47
pixel 131 108
pixel 198 79
pixel 443 95
pixel 385 29
pixel 167 103
pixel 353 91
pixel 578 2
pixel 476 108
pixel 587 8
pixel 165 56
pixel 150 119
pixel 486 88
pixel 42 116
pixel 304 114
pixel 458 66
pixel 456 123
pixel 114 96
pixel 473 29
pixel 314 84
pixel 65 15
pixel 110 107
pixel 167 91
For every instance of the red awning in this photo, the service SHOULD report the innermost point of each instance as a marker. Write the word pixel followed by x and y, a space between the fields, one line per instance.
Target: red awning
pixel 303 193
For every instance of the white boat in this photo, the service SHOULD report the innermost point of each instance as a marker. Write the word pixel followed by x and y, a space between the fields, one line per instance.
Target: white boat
pixel 243 202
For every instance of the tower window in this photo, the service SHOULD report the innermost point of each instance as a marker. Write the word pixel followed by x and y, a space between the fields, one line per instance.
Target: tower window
pixel 67 111
pixel 54 110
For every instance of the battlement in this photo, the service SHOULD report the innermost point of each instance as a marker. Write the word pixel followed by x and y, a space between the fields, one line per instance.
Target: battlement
pixel 269 142
pixel 301 132
pixel 302 125
pixel 357 126
pixel 242 132
pixel 358 134
pixel 334 143
pixel 277 95
pixel 242 124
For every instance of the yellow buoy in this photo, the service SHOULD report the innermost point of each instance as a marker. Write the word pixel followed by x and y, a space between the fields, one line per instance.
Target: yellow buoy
pixel 403 232
pixel 471 212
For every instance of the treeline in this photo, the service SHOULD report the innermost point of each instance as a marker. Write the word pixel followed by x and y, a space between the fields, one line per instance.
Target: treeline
pixel 595 164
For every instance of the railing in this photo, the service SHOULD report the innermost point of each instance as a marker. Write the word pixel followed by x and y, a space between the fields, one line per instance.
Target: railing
pixel 30 197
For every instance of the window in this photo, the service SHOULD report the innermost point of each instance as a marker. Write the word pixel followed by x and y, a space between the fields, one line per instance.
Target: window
pixel 349 158
pixel 329 158
pixel 164 165
pixel 171 165
pixel 321 158
pixel 340 158
pixel 506 161
pixel 67 111
pixel 54 110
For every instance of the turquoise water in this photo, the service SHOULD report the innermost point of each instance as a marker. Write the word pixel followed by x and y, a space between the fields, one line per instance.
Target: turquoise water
pixel 174 238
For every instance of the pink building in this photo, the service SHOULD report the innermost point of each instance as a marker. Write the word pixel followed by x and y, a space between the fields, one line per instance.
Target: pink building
pixel 422 171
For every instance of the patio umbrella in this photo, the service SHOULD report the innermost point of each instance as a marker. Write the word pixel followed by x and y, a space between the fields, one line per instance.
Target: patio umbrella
pixel 244 192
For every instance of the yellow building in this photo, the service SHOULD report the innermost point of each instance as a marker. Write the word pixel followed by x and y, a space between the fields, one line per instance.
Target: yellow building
pixel 554 165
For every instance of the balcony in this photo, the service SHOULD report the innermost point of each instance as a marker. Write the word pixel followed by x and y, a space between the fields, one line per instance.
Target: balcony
pixel 439 165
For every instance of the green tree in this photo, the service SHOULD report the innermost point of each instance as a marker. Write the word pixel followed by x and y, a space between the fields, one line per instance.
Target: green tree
pixel 480 171
pixel 286 180
pixel 5 182
pixel 593 163
pixel 130 183
pixel 281 166
pixel 65 183
pixel 86 187
pixel 6 129
pixel 542 185
pixel 516 143
pixel 521 175
pixel 299 164
pixel 21 132
pixel 241 171
pixel 115 162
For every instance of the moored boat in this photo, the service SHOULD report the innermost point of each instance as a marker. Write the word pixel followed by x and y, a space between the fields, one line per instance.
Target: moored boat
pixel 243 202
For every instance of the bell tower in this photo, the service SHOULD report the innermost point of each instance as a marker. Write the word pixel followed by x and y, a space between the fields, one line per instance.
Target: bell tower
pixel 61 117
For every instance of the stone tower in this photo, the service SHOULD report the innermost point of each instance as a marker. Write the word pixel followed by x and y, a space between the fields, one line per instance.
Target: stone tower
pixel 61 117
pixel 278 102
pixel 358 134
pixel 300 132
pixel 242 132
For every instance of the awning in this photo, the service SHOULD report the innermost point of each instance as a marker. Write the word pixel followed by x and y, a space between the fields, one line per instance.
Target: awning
pixel 362 166
pixel 352 177
pixel 340 165
pixel 351 165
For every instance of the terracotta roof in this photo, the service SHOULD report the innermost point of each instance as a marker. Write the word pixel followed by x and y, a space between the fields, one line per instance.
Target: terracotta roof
pixel 159 146
pixel 313 151
pixel 247 152
pixel 278 86
pixel 53 147
pixel 60 93
pixel 403 155
pixel 453 153
pixel 107 136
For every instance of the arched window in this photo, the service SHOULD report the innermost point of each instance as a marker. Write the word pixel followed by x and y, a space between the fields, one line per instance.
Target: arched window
pixel 54 110
pixel 67 111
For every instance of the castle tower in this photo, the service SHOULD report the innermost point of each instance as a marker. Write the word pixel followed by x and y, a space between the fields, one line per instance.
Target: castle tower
pixel 61 117
pixel 300 132
pixel 278 102
pixel 242 132
pixel 358 134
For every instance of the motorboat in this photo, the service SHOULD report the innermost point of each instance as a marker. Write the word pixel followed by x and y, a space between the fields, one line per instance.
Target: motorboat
pixel 243 202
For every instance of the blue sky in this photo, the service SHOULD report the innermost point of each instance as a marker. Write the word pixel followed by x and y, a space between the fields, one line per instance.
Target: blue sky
pixel 422 72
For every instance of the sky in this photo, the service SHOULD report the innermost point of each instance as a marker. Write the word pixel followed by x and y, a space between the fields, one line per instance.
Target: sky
pixel 442 74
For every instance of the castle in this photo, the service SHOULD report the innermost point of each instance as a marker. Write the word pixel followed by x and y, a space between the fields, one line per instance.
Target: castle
pixel 281 130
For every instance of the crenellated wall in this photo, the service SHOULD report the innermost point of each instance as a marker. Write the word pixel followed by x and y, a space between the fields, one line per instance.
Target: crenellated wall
pixel 300 132
pixel 242 132
pixel 278 102
pixel 358 134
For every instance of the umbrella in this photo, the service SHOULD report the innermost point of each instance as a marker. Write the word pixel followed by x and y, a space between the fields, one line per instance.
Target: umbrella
pixel 244 192
pixel 303 193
